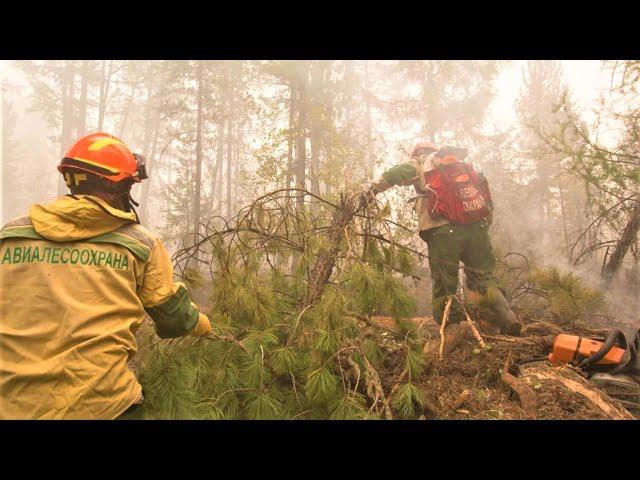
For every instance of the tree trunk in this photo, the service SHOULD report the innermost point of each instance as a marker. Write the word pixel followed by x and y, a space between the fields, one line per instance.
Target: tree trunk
pixel 151 160
pixel 563 216
pixel 368 173
pixel 104 93
pixel 236 163
pixel 290 139
pixel 315 131
pixel 626 240
pixel 196 196
pixel 220 178
pixel 348 83
pixel 301 133
pixel 327 145
pixel 229 160
pixel 127 110
pixel 218 165
pixel 67 117
pixel 223 120
pixel 148 113
pixel 82 114
pixel 155 103
pixel 326 259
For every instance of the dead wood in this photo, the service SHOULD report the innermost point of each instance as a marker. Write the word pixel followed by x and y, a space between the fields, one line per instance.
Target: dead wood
pixel 528 398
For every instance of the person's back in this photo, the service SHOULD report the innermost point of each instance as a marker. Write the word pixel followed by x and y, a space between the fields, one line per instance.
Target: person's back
pixel 76 277
pixel 452 239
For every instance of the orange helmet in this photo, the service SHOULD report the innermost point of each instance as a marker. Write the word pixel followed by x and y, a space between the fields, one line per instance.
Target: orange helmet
pixel 106 156
pixel 424 147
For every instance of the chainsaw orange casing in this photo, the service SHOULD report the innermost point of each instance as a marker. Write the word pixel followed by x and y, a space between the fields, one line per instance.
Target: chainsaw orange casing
pixel 569 348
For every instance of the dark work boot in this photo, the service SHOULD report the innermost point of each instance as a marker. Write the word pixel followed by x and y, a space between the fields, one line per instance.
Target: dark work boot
pixel 509 323
pixel 503 315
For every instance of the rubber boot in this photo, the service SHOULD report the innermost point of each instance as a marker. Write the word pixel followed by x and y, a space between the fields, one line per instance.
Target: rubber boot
pixel 504 317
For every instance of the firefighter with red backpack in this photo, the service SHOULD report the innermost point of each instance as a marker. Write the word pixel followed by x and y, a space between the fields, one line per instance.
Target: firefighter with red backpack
pixel 454 211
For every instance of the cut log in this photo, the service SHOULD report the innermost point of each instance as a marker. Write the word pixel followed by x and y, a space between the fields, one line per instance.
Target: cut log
pixel 528 398
pixel 597 398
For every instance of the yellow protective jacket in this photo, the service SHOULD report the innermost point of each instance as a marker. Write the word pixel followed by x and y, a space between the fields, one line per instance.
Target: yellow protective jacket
pixel 76 277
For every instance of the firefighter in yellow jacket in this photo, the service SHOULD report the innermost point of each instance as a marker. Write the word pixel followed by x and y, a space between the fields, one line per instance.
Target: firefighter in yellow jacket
pixel 76 278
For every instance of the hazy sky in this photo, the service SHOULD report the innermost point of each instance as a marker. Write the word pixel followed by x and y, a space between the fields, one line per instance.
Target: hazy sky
pixel 586 79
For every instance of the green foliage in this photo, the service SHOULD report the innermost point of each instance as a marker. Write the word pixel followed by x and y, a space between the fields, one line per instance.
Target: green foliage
pixel 569 297
pixel 285 361
pixel 262 406
pixel 169 385
pixel 407 400
pixel 415 362
pixel 321 385
pixel 365 284
pixel 272 357
pixel 349 408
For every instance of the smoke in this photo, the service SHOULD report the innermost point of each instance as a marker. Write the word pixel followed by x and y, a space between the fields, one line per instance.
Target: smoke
pixel 363 118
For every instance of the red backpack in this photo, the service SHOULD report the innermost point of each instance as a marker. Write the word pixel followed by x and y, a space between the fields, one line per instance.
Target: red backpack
pixel 458 193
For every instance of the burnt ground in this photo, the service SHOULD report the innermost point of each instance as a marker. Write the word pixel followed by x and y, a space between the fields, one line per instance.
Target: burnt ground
pixel 509 379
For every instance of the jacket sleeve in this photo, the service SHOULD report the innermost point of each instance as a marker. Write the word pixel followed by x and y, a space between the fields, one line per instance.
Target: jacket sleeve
pixel 167 302
pixel 402 174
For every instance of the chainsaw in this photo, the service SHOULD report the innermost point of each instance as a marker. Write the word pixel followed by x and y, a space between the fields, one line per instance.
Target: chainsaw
pixel 612 365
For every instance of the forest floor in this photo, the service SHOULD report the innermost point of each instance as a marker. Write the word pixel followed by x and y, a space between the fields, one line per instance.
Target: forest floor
pixel 510 379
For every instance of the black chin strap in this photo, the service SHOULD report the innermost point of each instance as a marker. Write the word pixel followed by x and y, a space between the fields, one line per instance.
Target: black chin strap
pixel 129 202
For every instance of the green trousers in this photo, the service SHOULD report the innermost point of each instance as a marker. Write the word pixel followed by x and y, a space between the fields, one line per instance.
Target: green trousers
pixel 448 245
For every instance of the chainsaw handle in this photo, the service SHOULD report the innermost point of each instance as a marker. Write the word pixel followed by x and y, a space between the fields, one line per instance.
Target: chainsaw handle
pixel 608 344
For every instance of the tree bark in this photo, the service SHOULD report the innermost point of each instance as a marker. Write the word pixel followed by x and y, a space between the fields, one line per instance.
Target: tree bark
pixel 123 126
pixel 236 164
pixel 198 187
pixel 221 169
pixel 326 259
pixel 104 93
pixel 67 117
pixel 369 147
pixel 301 133
pixel 82 114
pixel 151 160
pixel 315 131
pixel 218 165
pixel 290 140
pixel 629 236
pixel 229 160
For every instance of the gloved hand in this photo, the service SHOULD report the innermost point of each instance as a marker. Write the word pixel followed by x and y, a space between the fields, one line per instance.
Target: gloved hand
pixel 203 327
pixel 366 197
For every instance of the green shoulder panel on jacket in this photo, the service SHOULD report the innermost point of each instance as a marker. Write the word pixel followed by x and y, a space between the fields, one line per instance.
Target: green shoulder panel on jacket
pixel 19 232
pixel 139 233
pixel 175 316
pixel 138 241
pixel 401 174
pixel 132 236
pixel 18 222
pixel 138 249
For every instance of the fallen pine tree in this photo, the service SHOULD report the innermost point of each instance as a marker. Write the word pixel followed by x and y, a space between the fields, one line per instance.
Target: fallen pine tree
pixel 295 299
